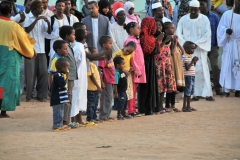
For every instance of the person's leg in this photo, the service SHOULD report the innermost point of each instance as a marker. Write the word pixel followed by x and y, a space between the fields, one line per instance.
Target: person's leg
pixel 67 106
pixel 22 80
pixel 79 116
pixel 30 74
pixel 95 105
pixel 42 77
pixel 90 105
pixel 175 16
pixel 132 102
pixel 173 98
pixel 213 57
pixel 57 116
pixel 106 102
pixel 222 8
pixel 161 99
pixel 167 102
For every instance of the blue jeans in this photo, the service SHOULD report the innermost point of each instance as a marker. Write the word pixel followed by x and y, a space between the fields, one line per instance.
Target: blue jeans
pixel 92 104
pixel 189 85
pixel 58 116
pixel 222 8
pixel 120 103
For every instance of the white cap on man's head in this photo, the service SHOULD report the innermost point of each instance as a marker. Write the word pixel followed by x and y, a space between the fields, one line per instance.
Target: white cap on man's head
pixel 118 10
pixel 194 3
pixel 156 5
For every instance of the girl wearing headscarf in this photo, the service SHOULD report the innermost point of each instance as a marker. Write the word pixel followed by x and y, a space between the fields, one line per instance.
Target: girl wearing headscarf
pixel 130 16
pixel 105 8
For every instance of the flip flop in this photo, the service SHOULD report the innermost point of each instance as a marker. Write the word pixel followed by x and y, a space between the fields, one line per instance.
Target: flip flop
pixel 59 130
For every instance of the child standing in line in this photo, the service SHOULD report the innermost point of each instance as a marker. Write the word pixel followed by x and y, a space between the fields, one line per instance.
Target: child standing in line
pixel 107 70
pixel 120 96
pixel 94 88
pixel 79 99
pixel 59 95
pixel 189 63
pixel 127 54
pixel 60 48
pixel 139 76
pixel 67 33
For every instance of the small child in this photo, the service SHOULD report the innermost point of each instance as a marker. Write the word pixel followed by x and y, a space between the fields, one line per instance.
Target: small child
pixel 107 70
pixel 67 33
pixel 127 54
pixel 94 88
pixel 59 95
pixel 120 96
pixel 189 63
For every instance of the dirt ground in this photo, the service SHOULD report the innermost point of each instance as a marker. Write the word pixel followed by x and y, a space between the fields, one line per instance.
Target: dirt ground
pixel 212 132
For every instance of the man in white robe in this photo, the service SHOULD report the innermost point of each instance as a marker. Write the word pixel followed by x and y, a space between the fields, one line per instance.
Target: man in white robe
pixel 229 38
pixel 117 32
pixel 158 12
pixel 195 27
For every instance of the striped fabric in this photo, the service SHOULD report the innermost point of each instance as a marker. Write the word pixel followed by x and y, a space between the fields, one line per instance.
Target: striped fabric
pixel 187 59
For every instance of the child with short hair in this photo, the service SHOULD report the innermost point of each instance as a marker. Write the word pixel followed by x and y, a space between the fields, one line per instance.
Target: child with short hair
pixel 59 95
pixel 107 70
pixel 94 88
pixel 67 33
pixel 120 96
pixel 189 63
pixel 60 48
pixel 127 54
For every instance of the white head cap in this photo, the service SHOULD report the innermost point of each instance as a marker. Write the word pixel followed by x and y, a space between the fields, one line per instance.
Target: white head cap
pixel 118 10
pixel 194 3
pixel 156 5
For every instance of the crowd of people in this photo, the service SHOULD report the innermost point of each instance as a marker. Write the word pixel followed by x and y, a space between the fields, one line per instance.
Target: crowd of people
pixel 109 53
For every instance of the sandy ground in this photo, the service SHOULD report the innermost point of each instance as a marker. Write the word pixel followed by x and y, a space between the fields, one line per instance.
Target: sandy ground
pixel 213 132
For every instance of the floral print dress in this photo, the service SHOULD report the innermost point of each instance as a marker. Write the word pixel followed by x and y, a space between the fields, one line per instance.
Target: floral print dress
pixel 165 73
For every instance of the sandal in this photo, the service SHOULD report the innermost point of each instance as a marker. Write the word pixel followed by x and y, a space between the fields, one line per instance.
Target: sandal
pixel 193 109
pixel 59 129
pixel 210 98
pixel 66 127
pixel 195 98
pixel 167 110
pixel 162 111
pixel 176 110
pixel 186 110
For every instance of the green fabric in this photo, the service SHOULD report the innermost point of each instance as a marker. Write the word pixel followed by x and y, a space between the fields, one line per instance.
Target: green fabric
pixel 10 78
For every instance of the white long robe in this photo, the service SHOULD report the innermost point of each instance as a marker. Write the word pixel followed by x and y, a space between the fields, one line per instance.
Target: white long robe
pixel 119 36
pixel 79 92
pixel 198 31
pixel 227 79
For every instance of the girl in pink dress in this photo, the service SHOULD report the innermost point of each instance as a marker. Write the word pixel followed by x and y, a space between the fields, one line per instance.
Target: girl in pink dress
pixel 139 76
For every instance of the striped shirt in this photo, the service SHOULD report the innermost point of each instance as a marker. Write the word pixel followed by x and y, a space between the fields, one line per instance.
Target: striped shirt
pixel 187 59
pixel 58 90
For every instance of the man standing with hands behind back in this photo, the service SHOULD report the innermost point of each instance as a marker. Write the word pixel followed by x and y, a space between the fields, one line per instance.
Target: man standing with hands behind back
pixel 195 27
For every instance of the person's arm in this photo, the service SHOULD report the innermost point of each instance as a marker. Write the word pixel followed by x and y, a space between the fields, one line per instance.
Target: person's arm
pixel 95 83
pixel 180 47
pixel 100 71
pixel 193 62
pixel 47 26
pixel 115 91
pixel 135 66
pixel 50 79
pixel 99 56
pixel 31 26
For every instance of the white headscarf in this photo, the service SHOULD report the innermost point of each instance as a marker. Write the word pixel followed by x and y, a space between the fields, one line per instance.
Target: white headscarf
pixel 127 6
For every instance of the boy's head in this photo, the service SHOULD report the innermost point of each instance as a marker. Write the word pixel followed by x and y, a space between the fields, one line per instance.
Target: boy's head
pixel 93 50
pixel 60 47
pixel 105 42
pixel 62 65
pixel 67 33
pixel 80 35
pixel 129 48
pixel 80 25
pixel 119 63
pixel 189 47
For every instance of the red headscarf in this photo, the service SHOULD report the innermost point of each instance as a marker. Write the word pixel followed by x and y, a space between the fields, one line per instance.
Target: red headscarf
pixel 115 6
pixel 147 40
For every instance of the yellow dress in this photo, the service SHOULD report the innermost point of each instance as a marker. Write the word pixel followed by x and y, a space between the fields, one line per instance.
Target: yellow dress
pixel 127 66
pixel 14 43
